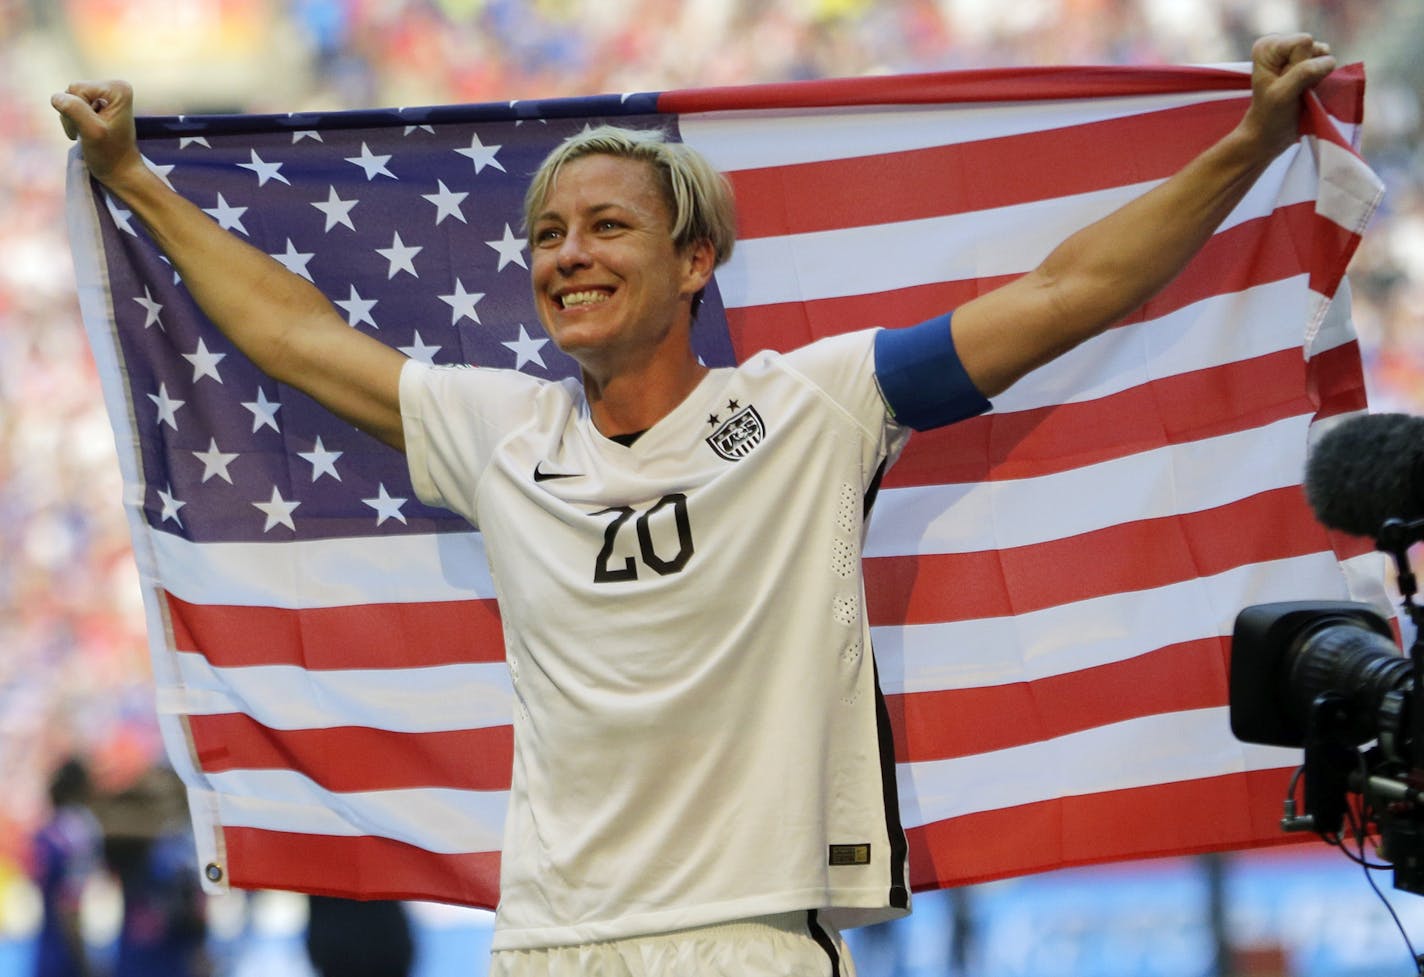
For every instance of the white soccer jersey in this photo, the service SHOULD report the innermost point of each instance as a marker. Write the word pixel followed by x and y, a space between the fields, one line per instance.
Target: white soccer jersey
pixel 698 732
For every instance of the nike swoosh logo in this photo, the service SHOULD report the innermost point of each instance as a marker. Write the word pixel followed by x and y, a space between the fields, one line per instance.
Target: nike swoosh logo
pixel 543 476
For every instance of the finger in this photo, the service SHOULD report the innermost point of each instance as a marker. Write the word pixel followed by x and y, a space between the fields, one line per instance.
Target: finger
pixel 79 110
pixel 70 108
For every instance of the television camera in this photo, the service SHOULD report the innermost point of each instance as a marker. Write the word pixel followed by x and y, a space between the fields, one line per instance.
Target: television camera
pixel 1328 676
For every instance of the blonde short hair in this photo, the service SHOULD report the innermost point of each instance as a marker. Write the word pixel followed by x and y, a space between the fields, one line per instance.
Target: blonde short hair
pixel 698 197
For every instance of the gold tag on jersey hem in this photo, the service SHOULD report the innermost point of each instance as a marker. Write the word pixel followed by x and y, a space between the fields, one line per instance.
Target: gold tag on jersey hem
pixel 850 854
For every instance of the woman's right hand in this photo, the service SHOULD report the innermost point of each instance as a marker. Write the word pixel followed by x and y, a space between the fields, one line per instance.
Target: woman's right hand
pixel 100 116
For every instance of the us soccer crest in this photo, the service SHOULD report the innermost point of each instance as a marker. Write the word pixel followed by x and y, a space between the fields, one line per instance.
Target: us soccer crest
pixel 738 435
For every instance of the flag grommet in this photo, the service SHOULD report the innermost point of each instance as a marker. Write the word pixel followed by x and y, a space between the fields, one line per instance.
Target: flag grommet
pixel 214 872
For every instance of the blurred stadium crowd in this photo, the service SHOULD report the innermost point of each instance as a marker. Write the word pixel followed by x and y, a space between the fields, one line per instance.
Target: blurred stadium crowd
pixel 73 659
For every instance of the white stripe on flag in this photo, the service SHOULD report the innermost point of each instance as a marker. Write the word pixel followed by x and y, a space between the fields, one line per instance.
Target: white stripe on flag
pixel 1005 241
pixel 1191 477
pixel 1085 634
pixel 1135 753
pixel 438 819
pixel 406 700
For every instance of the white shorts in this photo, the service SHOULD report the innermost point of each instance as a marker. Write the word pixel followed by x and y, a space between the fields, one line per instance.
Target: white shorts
pixel 786 945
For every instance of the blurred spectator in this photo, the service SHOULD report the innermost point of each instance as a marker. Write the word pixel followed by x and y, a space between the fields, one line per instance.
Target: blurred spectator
pixel 351 938
pixel 66 856
pixel 148 845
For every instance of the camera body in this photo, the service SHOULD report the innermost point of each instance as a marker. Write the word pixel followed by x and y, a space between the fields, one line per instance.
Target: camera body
pixel 1329 677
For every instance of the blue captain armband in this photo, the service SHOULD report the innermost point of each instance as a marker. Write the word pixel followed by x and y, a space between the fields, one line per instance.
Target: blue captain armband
pixel 921 378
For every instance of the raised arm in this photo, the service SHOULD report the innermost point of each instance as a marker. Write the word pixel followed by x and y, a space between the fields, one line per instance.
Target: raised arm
pixel 1111 267
pixel 276 318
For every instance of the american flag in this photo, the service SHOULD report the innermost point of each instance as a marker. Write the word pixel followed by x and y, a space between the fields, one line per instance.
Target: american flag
pixel 1052 585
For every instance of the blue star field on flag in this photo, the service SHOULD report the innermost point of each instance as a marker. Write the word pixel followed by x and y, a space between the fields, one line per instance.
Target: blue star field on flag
pixel 410 221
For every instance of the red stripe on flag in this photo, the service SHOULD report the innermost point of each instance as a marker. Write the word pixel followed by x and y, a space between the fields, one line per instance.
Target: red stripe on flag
pixel 974 176
pixel 1173 410
pixel 1335 381
pixel 962 722
pixel 357 758
pixel 355 636
pixel 1343 93
pixel 1028 84
pixel 933 588
pixel 1231 811
pixel 369 867
pixel 1266 249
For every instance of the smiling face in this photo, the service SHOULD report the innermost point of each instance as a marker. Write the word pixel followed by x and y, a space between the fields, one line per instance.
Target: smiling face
pixel 611 288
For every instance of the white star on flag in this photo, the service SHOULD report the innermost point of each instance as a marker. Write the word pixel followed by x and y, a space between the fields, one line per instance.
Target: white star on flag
pixel 295 261
pixel 185 141
pixel 400 255
pixel 120 215
pixel 167 407
pixel 205 363
pixel 265 171
pixel 278 510
pixel 151 310
pixel 510 248
pixel 215 462
pixel 301 134
pixel 386 507
pixel 337 211
pixel 481 154
pixel 526 349
pixel 428 128
pixel 358 310
pixel 447 203
pixel 229 218
pixel 264 411
pixel 372 164
pixel 160 171
pixel 418 350
pixel 323 462
pixel 171 506
pixel 462 303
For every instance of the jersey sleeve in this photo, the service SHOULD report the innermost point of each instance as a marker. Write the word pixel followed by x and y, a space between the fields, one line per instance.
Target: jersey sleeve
pixel 453 418
pixel 921 377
